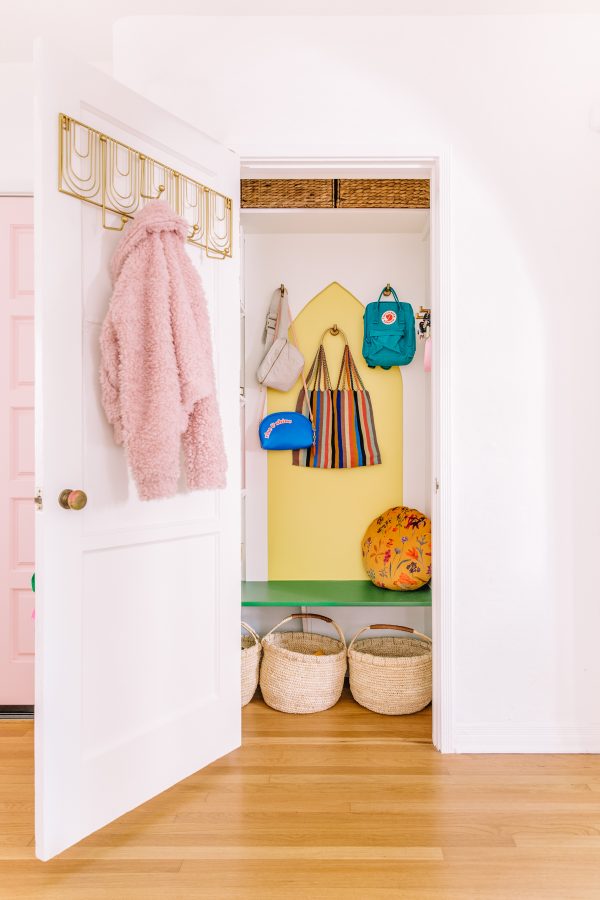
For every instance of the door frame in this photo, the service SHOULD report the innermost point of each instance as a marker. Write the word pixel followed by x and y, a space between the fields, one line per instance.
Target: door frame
pixel 21 711
pixel 436 167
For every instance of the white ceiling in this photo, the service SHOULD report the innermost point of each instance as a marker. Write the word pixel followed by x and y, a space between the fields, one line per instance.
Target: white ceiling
pixel 86 26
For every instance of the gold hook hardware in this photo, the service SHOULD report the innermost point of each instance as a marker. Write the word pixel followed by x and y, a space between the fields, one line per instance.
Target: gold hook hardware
pixel 387 290
pixel 334 330
pixel 115 177
pixel 282 290
pixel 143 170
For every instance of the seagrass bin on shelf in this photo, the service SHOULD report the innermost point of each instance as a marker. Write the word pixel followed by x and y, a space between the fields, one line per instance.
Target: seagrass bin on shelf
pixel 287 193
pixel 390 675
pixel 251 654
pixel 302 672
pixel 383 193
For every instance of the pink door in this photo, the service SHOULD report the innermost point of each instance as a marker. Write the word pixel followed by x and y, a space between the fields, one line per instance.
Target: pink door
pixel 16 451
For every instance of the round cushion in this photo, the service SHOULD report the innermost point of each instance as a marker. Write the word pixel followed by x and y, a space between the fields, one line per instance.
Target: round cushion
pixel 396 549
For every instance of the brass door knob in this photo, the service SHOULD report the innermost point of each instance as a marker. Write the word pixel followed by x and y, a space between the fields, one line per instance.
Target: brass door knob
pixel 70 499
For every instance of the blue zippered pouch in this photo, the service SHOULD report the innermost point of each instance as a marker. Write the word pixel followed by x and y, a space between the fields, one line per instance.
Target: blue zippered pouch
pixel 285 431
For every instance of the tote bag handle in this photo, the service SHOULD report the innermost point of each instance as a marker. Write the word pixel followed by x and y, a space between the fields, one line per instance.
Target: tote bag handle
pixel 349 377
pixel 319 372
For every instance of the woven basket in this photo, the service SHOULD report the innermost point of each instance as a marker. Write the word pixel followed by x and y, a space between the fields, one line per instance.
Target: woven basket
pixel 380 193
pixel 391 675
pixel 287 193
pixel 302 672
pixel 251 654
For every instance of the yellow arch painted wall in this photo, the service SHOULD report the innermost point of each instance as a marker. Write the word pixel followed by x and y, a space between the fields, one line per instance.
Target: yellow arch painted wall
pixel 317 517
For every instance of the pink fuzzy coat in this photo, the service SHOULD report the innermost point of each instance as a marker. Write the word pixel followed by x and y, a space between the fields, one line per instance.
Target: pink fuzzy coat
pixel 158 386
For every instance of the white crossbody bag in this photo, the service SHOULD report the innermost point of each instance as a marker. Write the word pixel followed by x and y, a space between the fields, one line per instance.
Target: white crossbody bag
pixel 283 362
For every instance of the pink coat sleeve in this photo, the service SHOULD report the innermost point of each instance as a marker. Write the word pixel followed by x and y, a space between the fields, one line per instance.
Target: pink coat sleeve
pixel 203 445
pixel 190 324
pixel 140 381
pixel 109 377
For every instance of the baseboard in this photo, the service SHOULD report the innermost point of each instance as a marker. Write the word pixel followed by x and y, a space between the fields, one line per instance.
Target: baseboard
pixel 496 737
pixel 16 712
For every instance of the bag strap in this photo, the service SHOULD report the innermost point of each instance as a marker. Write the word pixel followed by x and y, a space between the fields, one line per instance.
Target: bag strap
pixel 349 376
pixel 390 290
pixel 263 406
pixel 292 329
pixel 417 634
pixel 308 616
pixel 319 371
pixel 274 316
pixel 251 632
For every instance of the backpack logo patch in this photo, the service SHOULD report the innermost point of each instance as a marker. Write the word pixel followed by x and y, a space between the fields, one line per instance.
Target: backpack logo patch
pixel 389 317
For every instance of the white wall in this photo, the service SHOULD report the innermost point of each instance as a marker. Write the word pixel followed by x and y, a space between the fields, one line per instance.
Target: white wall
pixel 275 251
pixel 16 115
pixel 511 98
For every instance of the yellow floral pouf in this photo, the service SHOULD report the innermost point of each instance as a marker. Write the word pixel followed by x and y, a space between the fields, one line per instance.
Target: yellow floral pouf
pixel 396 549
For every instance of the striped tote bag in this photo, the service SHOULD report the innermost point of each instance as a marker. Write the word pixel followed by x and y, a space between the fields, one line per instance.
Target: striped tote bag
pixel 342 417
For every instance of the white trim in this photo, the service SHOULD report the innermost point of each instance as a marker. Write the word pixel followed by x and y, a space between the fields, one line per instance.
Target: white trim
pixel 327 167
pixel 437 167
pixel 442 601
pixel 498 737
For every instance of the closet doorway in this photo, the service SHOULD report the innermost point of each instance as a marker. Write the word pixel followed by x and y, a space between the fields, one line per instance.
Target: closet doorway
pixel 118 559
pixel 338 258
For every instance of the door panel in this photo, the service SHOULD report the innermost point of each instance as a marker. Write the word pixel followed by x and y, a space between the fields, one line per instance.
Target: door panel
pixel 16 451
pixel 137 634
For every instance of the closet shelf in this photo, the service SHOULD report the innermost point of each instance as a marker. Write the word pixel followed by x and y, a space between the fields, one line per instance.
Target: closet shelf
pixel 328 593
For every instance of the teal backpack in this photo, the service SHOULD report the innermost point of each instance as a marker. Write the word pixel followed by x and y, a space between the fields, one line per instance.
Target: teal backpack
pixel 389 332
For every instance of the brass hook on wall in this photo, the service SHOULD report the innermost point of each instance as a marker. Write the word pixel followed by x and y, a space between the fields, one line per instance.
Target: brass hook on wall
pixel 334 330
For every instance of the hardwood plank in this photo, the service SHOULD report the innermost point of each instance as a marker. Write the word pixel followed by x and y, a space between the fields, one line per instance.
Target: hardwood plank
pixel 343 804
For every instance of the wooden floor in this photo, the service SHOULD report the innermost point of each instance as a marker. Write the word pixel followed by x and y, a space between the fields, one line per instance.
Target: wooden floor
pixel 343 805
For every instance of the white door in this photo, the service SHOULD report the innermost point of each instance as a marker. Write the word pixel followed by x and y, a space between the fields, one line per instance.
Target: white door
pixel 137 647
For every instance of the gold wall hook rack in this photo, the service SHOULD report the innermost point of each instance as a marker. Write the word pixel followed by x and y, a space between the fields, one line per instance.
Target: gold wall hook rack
pixel 424 313
pixel 118 179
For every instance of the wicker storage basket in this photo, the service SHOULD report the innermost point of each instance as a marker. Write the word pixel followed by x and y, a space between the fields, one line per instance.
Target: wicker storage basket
pixel 251 654
pixel 391 675
pixel 302 672
pixel 381 193
pixel 287 193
